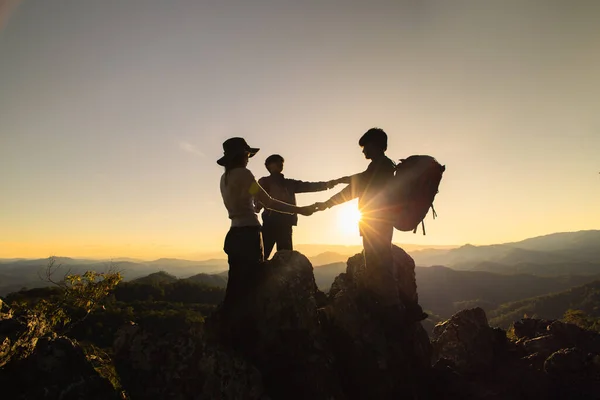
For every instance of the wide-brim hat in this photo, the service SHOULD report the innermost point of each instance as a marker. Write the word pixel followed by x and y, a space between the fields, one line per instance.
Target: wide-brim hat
pixel 234 147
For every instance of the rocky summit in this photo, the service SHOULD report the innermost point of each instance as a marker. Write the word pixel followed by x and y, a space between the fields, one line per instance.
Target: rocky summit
pixel 288 340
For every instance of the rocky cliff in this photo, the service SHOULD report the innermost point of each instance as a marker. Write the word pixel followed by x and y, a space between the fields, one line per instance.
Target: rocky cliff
pixel 35 363
pixel 288 340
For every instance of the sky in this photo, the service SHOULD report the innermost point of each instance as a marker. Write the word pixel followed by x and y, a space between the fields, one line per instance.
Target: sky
pixel 113 112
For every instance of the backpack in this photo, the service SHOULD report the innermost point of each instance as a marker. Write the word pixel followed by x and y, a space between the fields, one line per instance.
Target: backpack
pixel 412 190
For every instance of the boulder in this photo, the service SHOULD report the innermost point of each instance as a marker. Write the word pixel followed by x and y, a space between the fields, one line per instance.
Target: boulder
pixel 57 368
pixel 571 335
pixel 403 269
pixel 568 363
pixel 542 345
pixel 378 354
pixel 278 330
pixel 574 374
pixel 271 345
pixel 281 343
pixel 19 334
pixel 467 340
pixel 530 327
pixel 159 363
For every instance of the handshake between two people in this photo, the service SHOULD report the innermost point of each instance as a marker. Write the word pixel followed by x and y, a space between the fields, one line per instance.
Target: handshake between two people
pixel 307 211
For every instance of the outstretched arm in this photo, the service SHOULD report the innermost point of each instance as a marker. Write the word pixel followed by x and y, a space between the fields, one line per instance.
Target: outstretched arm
pixel 347 194
pixel 306 187
pixel 344 179
pixel 273 204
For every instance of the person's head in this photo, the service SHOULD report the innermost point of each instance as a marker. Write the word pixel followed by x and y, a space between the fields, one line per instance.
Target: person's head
pixel 373 143
pixel 274 164
pixel 236 153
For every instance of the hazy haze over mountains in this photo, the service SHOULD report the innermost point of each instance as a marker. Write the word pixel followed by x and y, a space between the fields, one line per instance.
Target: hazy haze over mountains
pixel 551 256
pixel 558 253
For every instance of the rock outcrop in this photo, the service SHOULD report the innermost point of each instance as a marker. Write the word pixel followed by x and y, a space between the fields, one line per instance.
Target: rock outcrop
pixel 287 340
pixel 467 342
pixel 547 359
pixel 19 334
pixel 37 364
pixel 163 363
pixel 378 355
pixel 569 356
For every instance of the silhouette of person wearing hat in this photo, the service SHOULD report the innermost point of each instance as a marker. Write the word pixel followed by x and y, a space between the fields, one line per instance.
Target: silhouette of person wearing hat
pixel 375 226
pixel 243 243
pixel 278 227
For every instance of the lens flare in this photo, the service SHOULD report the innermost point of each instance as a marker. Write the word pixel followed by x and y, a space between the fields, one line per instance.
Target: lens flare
pixel 348 218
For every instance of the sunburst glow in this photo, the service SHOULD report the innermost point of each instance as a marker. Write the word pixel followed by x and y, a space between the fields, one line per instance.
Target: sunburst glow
pixel 348 218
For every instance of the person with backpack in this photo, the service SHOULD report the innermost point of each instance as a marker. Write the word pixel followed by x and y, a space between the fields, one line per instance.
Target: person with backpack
pixel 376 225
pixel 278 227
pixel 243 243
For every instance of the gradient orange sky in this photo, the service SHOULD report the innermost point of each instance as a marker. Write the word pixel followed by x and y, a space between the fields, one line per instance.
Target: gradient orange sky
pixel 112 115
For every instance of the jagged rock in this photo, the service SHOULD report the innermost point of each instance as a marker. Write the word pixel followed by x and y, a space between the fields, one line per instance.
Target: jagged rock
pixel 56 369
pixel 529 327
pixel 280 333
pixel 279 344
pixel 468 341
pixel 19 335
pixel 542 345
pixel 571 335
pixel 229 377
pixel 572 362
pixel 272 345
pixel 404 271
pixel 162 363
pixel 378 355
pixel 574 374
pixel 5 311
pixel 404 266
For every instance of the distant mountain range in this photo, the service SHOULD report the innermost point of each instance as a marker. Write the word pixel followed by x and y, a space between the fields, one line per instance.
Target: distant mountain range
pixel 556 255
pixel 550 255
pixel 446 291
pixel 543 276
pixel 16 274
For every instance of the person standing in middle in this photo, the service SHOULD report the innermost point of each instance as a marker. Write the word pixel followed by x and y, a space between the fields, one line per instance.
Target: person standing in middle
pixel 277 227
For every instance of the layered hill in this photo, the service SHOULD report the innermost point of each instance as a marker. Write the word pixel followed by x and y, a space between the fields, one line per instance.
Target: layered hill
pixel 549 255
pixel 550 306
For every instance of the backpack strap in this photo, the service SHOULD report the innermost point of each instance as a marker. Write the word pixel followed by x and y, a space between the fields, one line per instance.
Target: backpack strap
pixel 422 226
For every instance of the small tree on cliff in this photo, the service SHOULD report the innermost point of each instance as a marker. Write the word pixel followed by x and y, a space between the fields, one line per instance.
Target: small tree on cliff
pixel 75 297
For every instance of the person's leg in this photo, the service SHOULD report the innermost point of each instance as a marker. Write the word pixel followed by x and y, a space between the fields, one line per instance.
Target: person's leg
pixel 269 237
pixel 379 277
pixel 284 238
pixel 235 266
pixel 379 262
pixel 244 249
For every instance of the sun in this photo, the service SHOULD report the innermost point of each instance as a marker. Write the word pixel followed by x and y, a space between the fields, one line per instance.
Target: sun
pixel 348 218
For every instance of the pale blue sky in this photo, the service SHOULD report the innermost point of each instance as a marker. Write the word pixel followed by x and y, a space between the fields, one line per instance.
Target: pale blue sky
pixel 112 114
